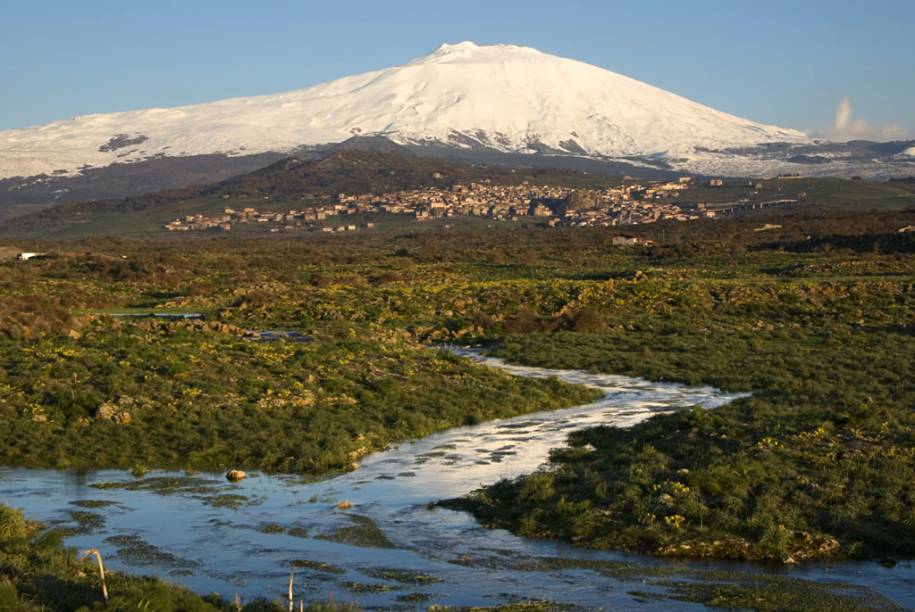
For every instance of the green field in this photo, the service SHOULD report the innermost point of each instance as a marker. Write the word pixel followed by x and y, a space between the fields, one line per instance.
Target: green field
pixel 818 463
pixel 815 319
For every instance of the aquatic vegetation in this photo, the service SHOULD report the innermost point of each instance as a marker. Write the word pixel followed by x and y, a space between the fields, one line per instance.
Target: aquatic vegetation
pixel 38 573
pixel 761 592
pixel 86 522
pixel 298 532
pixel 229 500
pixel 317 566
pixel 362 587
pixel 164 485
pixel 519 606
pixel 402 576
pixel 615 569
pixel 363 532
pixel 750 589
pixel 134 550
pixel 93 503
pixel 414 597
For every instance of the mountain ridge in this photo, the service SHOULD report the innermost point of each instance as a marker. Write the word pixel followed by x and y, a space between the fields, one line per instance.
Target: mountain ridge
pixel 506 97
pixel 464 99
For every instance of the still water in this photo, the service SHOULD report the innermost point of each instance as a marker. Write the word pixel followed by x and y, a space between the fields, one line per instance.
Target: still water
pixel 389 549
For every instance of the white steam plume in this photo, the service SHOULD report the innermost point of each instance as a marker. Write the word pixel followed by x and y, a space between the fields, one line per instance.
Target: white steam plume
pixel 848 127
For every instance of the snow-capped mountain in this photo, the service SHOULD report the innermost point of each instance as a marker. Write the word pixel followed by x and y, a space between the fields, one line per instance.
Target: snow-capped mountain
pixel 505 97
pixel 500 98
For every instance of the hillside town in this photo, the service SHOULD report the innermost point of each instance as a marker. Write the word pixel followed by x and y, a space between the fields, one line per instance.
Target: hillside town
pixel 629 204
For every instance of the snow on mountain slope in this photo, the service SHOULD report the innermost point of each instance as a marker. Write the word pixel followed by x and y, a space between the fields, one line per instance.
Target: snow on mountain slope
pixel 509 98
pixel 910 152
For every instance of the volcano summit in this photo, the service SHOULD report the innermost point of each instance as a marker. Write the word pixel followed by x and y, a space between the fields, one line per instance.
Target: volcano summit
pixel 461 98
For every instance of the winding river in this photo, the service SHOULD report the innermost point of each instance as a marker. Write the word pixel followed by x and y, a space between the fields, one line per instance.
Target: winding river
pixel 385 547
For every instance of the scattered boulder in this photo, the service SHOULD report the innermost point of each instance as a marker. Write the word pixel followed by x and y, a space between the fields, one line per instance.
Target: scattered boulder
pixel 114 412
pixel 305 399
pixel 235 475
pixel 357 453
pixel 344 505
pixel 106 411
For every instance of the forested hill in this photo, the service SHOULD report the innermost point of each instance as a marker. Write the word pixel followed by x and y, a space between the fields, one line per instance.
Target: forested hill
pixel 353 171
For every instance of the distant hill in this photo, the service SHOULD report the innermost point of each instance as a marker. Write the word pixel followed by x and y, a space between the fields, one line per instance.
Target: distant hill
pixel 348 171
pixel 294 183
pixel 293 179
pixel 21 195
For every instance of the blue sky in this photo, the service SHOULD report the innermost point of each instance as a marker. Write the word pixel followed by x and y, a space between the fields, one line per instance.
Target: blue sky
pixel 788 63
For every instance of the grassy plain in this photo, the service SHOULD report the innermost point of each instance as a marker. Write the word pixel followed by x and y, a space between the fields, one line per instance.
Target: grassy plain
pixel 818 463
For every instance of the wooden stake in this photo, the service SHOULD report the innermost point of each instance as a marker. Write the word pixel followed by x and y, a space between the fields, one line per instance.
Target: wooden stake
pixel 291 602
pixel 101 568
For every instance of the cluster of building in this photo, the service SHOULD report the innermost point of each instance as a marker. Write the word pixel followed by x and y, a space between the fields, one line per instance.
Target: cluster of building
pixel 276 221
pixel 634 204
pixel 499 202
pixel 628 204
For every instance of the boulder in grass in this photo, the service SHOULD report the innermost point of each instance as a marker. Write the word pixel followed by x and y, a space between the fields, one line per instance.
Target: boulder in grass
pixel 110 411
pixel 106 411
